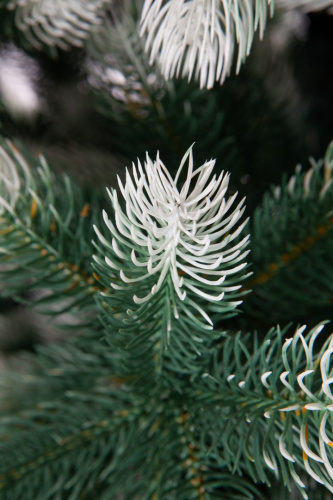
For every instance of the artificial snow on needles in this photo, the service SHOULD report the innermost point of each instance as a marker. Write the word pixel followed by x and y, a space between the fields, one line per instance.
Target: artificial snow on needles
pixel 196 38
pixel 184 235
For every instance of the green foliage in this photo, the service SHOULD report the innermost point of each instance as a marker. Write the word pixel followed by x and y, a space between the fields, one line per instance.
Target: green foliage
pixel 52 25
pixel 291 246
pixel 163 295
pixel 143 108
pixel 268 406
pixel 200 405
pixel 42 223
pixel 165 392
pixel 184 440
pixel 148 113
pixel 81 441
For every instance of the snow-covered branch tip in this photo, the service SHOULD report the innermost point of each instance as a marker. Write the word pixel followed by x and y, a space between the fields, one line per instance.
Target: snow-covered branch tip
pixel 197 38
pixel 185 238
pixel 57 23
pixel 13 171
pixel 309 400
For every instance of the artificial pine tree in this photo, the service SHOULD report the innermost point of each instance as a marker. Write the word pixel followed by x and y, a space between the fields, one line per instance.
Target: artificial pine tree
pixel 184 369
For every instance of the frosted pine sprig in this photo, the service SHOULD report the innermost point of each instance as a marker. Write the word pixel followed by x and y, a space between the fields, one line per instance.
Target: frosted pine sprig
pixel 57 23
pixel 196 38
pixel 185 238
pixel 13 169
pixel 310 407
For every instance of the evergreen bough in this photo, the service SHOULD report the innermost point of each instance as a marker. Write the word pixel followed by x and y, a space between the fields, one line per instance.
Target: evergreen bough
pixel 153 387
pixel 183 377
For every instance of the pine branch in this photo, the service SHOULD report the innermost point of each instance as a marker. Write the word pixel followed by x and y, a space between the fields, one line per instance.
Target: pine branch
pixel 272 407
pixel 45 234
pixel 66 413
pixel 172 258
pixel 152 401
pixel 259 410
pixel 80 442
pixel 141 107
pixel 60 439
pixel 30 379
pixel 291 246
pixel 55 24
pixel 197 39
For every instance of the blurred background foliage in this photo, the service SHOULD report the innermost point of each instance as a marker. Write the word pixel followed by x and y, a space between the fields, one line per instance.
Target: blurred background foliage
pixel 104 99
